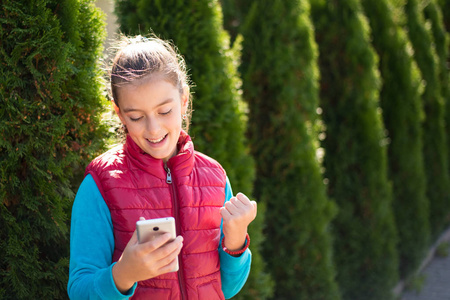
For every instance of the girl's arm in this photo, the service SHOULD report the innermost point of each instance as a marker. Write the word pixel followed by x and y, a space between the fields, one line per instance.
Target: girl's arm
pixel 91 247
pixel 234 271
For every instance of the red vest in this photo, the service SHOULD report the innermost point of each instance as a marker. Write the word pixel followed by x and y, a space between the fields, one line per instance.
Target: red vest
pixel 134 184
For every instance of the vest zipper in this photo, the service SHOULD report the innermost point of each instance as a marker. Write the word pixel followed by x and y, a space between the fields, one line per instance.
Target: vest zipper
pixel 169 175
pixel 169 181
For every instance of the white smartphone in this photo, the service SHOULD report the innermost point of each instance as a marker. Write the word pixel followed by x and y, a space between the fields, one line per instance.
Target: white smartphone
pixel 147 230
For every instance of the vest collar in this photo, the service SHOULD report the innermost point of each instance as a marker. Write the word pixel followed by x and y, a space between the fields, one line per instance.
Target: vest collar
pixel 181 164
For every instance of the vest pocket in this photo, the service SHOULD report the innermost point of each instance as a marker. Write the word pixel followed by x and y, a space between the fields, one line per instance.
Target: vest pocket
pixel 210 291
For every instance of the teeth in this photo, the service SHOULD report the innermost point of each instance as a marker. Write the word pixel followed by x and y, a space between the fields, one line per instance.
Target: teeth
pixel 157 141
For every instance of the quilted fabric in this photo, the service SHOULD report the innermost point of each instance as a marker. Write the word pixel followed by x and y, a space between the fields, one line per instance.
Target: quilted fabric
pixel 134 184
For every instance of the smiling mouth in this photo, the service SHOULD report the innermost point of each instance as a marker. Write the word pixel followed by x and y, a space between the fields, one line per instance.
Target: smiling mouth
pixel 158 140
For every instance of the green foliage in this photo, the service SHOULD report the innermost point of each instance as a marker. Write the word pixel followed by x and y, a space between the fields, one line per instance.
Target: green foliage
pixel 219 118
pixel 234 13
pixel 400 100
pixel 435 147
pixel 49 97
pixel 441 39
pixel 355 152
pixel 280 80
pixel 259 285
pixel 445 8
pixel 416 283
pixel 442 249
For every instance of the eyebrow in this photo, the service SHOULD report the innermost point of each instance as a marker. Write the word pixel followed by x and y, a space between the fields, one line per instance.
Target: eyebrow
pixel 131 109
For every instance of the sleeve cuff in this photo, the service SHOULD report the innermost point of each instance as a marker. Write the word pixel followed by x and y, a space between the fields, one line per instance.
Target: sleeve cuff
pixel 107 288
pixel 231 264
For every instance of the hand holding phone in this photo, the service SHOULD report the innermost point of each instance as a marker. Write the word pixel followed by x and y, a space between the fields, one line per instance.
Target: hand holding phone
pixel 141 260
pixel 148 230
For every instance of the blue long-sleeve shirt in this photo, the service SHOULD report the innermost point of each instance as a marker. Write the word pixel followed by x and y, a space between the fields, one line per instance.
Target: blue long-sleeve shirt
pixel 92 247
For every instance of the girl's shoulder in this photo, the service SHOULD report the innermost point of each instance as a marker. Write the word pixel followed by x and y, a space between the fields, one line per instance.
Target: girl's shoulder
pixel 111 157
pixel 203 160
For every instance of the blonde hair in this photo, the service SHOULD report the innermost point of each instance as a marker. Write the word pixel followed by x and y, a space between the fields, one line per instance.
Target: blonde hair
pixel 139 59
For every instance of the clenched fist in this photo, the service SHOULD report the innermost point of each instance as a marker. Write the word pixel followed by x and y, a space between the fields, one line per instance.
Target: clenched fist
pixel 237 214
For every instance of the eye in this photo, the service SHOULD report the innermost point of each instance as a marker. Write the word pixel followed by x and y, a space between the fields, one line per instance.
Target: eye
pixel 135 119
pixel 166 113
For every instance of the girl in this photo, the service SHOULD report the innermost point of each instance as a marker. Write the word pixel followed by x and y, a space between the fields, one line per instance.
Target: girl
pixel 156 173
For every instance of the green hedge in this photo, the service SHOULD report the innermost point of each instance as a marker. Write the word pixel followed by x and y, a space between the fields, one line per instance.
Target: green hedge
pixel 445 8
pixel 280 76
pixel 50 94
pixel 400 100
pixel 355 152
pixel 435 146
pixel 441 37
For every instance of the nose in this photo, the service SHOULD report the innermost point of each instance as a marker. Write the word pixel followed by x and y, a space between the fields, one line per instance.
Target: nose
pixel 153 127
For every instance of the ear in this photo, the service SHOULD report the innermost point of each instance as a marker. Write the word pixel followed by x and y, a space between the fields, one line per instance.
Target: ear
pixel 117 109
pixel 185 99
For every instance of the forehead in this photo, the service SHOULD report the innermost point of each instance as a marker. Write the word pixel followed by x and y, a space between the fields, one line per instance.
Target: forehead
pixel 147 94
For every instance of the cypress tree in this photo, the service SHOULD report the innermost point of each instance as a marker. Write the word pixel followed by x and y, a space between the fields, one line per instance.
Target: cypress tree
pixel 400 100
pixel 445 8
pixel 50 91
pixel 441 39
pixel 233 15
pixel 355 152
pixel 219 119
pixel 435 145
pixel 280 80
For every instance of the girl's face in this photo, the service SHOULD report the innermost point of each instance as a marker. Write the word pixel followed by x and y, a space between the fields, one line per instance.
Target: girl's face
pixel 152 112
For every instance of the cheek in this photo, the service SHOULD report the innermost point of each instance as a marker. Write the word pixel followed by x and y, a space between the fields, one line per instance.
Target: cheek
pixel 176 122
pixel 134 128
pixel 170 121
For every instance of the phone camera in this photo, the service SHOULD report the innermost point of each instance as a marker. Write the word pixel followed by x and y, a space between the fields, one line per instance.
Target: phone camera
pixel 155 228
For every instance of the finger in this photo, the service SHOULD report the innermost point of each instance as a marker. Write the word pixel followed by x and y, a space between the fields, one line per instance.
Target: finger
pixel 225 213
pixel 173 248
pixel 243 204
pixel 165 259
pixel 232 206
pixel 157 242
pixel 170 266
pixel 169 251
pixel 243 199
pixel 241 196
